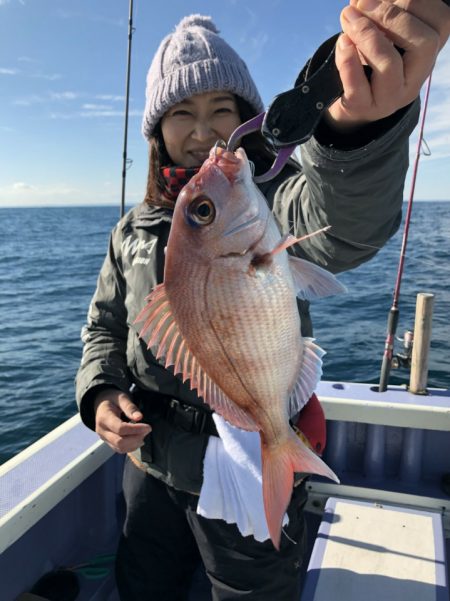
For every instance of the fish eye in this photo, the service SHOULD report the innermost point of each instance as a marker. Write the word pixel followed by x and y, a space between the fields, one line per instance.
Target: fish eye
pixel 202 210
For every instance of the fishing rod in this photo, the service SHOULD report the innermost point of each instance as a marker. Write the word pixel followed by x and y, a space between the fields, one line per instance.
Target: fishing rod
pixel 394 310
pixel 127 162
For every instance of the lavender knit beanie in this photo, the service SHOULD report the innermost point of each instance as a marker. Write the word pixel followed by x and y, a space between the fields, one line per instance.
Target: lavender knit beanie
pixel 192 60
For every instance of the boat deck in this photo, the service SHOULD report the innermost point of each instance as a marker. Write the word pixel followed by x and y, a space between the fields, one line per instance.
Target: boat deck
pixel 61 502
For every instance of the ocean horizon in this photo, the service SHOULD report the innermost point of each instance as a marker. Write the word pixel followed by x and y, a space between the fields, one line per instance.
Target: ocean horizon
pixel 96 204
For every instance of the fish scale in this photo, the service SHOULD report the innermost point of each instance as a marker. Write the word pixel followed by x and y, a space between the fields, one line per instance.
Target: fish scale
pixel 271 329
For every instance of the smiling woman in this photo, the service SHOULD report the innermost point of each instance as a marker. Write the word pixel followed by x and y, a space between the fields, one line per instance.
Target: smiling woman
pixel 199 122
pixel 192 127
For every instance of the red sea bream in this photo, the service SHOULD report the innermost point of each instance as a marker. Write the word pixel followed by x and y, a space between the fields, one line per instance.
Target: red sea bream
pixel 226 318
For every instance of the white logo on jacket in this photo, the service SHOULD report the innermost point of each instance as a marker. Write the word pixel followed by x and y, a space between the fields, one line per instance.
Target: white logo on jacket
pixel 131 246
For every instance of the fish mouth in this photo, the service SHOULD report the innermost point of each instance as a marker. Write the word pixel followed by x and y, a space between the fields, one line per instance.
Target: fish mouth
pixel 228 163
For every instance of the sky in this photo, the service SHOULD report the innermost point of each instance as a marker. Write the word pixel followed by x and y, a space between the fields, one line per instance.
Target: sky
pixel 62 89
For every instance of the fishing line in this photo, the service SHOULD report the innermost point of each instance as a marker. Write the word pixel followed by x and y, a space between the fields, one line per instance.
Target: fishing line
pixel 348 240
pixel 356 243
pixel 283 530
pixel 394 311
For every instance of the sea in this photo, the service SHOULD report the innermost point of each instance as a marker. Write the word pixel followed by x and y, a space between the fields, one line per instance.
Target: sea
pixel 49 263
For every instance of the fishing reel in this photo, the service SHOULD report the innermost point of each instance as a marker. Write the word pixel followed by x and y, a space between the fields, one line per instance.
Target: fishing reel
pixel 403 359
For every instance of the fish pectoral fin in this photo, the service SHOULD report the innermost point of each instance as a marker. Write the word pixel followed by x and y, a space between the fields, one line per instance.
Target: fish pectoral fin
pixel 311 281
pixel 161 333
pixel 308 377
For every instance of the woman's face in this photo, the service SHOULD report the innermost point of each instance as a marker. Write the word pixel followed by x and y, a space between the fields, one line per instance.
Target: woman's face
pixel 192 127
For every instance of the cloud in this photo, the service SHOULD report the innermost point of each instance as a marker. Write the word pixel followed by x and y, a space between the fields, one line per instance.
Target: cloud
pixel 110 113
pixel 255 45
pixel 252 15
pixel 23 193
pixel 110 97
pixel 96 107
pixel 37 75
pixel 437 122
pixel 5 2
pixel 49 97
pixel 90 114
pixel 27 59
pixel 22 186
pixel 48 77
pixel 90 107
pixel 29 100
pixel 63 95
pixel 441 74
pixel 438 118
pixel 4 71
pixel 87 16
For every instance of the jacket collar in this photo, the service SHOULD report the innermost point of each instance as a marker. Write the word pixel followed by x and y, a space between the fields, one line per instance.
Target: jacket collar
pixel 149 216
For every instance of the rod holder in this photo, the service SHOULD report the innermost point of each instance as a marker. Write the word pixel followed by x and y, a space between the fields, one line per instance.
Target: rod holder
pixel 374 456
pixel 336 449
pixel 422 341
pixel 411 458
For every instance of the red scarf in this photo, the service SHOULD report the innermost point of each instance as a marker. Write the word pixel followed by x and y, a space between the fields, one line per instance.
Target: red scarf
pixel 175 179
pixel 311 422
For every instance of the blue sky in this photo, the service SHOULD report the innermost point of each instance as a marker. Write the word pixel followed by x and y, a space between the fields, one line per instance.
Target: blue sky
pixel 62 86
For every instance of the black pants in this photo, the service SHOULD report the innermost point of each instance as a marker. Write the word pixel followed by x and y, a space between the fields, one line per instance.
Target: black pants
pixel 164 541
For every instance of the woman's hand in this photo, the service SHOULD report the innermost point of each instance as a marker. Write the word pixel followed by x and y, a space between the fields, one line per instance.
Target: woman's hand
pixel 121 436
pixel 371 30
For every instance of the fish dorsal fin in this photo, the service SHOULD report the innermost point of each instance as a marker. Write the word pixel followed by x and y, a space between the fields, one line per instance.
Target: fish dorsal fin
pixel 309 376
pixel 161 333
pixel 311 281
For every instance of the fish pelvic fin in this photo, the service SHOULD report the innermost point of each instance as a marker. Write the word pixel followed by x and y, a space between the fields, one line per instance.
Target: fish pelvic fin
pixel 311 281
pixel 308 377
pixel 162 335
pixel 278 466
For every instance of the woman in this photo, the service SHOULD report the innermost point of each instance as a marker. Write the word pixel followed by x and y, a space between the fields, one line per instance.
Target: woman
pixel 352 176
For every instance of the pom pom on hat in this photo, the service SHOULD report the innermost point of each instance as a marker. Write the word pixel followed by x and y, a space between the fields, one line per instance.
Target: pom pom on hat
pixel 197 20
pixel 192 60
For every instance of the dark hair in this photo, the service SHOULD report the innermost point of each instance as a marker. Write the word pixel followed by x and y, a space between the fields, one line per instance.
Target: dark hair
pixel 254 145
pixel 158 157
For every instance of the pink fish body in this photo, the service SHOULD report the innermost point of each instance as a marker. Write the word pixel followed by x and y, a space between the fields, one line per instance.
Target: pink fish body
pixel 226 318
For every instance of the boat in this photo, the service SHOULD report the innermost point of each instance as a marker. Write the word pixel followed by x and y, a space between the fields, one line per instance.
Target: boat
pixel 384 530
pixel 382 533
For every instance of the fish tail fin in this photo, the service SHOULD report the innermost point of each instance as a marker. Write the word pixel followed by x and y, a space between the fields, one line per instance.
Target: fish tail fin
pixel 278 467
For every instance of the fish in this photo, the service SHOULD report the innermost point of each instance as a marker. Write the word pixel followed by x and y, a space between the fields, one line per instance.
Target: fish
pixel 226 318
